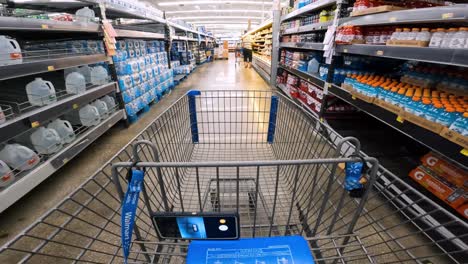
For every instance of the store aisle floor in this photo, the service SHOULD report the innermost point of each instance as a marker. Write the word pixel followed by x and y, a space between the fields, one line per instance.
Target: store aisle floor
pixel 218 75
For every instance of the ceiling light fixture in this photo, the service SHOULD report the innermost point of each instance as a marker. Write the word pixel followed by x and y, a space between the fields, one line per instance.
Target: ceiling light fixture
pixel 218 11
pixel 176 3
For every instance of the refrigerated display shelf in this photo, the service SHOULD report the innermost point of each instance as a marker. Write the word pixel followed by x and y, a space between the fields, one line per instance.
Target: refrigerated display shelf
pixel 425 137
pixel 308 8
pixel 302 45
pixel 33 24
pixel 34 177
pixel 304 75
pixel 124 33
pixel 36 117
pixel 457 57
pixel 307 28
pixel 49 64
pixel 448 14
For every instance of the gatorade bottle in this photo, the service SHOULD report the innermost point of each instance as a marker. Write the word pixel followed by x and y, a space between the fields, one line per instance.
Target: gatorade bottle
pixel 461 125
pixel 407 98
pixel 412 107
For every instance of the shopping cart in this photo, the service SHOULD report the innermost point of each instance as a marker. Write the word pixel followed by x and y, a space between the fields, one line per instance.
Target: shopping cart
pixel 256 153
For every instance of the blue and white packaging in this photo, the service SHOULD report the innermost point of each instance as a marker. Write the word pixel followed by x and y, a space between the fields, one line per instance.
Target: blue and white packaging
pixel 141 64
pixel 121 45
pixel 125 82
pixel 129 43
pixel 143 76
pixel 122 68
pixel 136 79
pixel 134 66
pixel 150 74
pixel 131 53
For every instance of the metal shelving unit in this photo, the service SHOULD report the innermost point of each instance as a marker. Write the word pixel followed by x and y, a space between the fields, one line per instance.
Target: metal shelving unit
pixel 39 115
pixel 32 24
pixel 302 45
pixel 398 188
pixel 34 177
pixel 308 8
pixel 456 57
pixel 51 63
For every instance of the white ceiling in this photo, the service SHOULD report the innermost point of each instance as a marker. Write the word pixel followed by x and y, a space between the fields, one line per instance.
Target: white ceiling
pixel 223 18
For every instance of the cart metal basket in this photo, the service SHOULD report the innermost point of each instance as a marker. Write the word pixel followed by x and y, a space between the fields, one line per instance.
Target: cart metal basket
pixel 256 153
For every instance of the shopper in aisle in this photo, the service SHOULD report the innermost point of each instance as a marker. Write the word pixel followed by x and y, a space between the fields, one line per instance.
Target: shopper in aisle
pixel 247 51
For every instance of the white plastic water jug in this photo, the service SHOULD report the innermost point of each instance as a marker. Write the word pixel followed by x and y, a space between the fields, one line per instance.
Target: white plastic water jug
pixel 6 176
pixel 99 75
pixel 10 51
pixel 41 92
pixel 102 108
pixel 75 83
pixel 19 157
pixel 85 70
pixel 64 130
pixel 89 115
pixel 110 102
pixel 85 15
pixel 2 116
pixel 46 140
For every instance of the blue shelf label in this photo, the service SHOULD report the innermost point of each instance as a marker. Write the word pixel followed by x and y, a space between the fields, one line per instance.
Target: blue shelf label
pixel 265 250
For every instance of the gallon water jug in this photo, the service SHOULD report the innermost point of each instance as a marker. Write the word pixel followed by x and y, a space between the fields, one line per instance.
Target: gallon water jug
pixel 46 140
pixel 85 15
pixel 64 130
pixel 89 115
pixel 40 92
pixel 6 176
pixel 102 108
pixel 19 157
pixel 313 66
pixel 75 83
pixel 99 75
pixel 110 102
pixel 2 116
pixel 10 51
pixel 85 70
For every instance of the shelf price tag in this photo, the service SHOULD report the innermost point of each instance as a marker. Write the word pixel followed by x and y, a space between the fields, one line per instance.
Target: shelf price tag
pixel 75 106
pixel 379 53
pixel 35 124
pixel 392 19
pixel 447 15
pixel 400 119
pixel 353 97
pixel 51 68
pixel 45 26
pixel 464 152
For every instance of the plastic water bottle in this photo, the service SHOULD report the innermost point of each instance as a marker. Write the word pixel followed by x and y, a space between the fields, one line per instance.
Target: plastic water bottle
pixel 6 176
pixel 19 157
pixel 85 70
pixel 40 92
pixel 92 46
pixel 102 108
pixel 64 130
pixel 85 15
pixel 99 75
pixel 75 83
pixel 89 115
pixel 46 140
pixel 110 102
pixel 134 67
pixel 10 51
pixel 461 125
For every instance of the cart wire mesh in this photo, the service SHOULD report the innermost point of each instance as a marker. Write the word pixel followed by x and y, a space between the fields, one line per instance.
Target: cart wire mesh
pixel 281 170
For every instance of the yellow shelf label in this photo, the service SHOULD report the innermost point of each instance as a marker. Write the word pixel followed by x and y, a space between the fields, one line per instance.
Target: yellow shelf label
pixel 392 19
pixel 75 106
pixel 447 15
pixel 35 124
pixel 464 152
pixel 51 68
pixel 400 119
pixel 379 52
pixel 44 26
pixel 354 97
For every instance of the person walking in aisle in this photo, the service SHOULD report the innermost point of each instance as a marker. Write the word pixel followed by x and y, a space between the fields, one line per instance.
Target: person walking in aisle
pixel 247 51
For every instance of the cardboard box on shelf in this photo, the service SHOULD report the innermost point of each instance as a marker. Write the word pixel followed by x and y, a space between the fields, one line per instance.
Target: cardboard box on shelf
pixel 422 122
pixel 455 137
pixel 387 106
pixel 447 192
pixel 445 169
